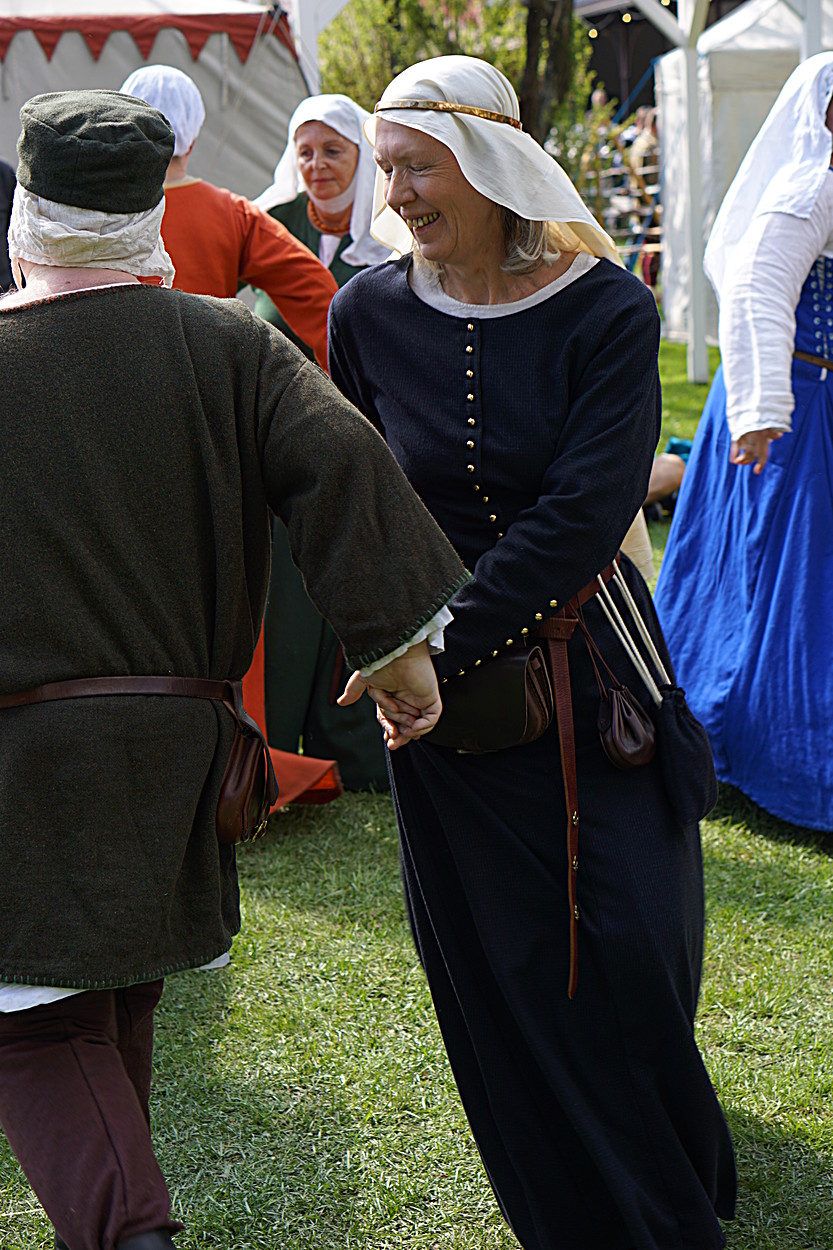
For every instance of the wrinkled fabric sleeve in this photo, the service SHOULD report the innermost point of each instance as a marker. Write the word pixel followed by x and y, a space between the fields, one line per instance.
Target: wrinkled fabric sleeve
pixel 291 275
pixel 761 289
pixel 374 561
pixel 590 494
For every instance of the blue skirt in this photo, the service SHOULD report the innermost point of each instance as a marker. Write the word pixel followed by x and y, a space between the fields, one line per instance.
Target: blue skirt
pixel 745 597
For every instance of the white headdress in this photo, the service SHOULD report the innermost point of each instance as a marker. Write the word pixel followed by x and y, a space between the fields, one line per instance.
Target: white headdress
pixel 347 118
pixel 785 167
pixel 472 108
pixel 174 94
pixel 47 233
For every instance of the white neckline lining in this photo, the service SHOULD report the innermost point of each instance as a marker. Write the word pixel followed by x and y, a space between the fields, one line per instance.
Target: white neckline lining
pixel 427 288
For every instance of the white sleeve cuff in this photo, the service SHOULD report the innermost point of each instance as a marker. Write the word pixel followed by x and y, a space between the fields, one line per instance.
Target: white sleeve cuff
pixel 741 423
pixel 433 632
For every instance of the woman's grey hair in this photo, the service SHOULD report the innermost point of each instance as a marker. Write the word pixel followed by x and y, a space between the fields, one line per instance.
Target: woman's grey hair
pixel 528 244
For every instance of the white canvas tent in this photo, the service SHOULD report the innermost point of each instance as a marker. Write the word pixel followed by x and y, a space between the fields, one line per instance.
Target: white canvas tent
pixel 239 53
pixel 742 63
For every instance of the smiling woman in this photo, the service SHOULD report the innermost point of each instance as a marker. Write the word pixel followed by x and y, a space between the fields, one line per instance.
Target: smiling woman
pixel 454 225
pixel 511 364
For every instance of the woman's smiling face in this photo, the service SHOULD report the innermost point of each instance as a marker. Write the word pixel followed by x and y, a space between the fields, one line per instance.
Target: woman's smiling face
pixel 452 223
pixel 326 160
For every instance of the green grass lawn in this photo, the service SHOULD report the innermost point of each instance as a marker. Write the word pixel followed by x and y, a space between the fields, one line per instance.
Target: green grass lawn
pixel 303 1100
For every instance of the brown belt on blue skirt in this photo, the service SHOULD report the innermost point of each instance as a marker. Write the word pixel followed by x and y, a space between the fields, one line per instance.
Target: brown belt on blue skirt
pixel 818 361
pixel 558 630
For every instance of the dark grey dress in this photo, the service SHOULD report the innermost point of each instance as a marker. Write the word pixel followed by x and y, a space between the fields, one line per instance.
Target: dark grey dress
pixel 530 438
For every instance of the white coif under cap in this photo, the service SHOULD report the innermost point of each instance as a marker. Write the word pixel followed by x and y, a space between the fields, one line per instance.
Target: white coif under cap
pixel 175 95
pixel 499 159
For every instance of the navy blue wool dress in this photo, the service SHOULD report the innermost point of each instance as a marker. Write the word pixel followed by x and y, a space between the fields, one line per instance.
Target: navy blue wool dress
pixel 757 663
pixel 530 438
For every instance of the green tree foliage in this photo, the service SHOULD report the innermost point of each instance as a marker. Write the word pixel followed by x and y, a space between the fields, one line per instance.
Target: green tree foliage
pixel 373 40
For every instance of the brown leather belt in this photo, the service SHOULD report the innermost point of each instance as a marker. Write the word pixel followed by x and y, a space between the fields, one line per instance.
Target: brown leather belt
pixel 558 630
pixel 818 361
pixel 228 692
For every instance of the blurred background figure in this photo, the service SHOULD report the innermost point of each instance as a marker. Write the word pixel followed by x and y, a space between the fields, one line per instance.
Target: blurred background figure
pixel 219 241
pixel 750 541
pixel 643 159
pixel 323 193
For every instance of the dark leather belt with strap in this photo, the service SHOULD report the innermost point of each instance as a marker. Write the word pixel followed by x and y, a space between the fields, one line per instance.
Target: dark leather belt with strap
pixel 558 630
pixel 818 361
pixel 228 692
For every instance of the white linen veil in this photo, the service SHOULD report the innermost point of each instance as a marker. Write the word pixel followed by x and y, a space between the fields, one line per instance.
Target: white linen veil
pixel 501 162
pixel 785 167
pixel 347 118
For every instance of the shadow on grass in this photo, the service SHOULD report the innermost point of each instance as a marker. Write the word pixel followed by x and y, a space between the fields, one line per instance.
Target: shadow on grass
pixel 341 863
pixel 734 806
pixel 252 1159
pixel 254 1162
pixel 784 1190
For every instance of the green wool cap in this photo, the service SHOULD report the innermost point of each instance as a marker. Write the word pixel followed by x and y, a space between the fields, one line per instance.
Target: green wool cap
pixel 94 149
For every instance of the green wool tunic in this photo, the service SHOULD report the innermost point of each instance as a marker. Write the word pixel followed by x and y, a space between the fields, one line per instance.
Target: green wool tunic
pixel 146 435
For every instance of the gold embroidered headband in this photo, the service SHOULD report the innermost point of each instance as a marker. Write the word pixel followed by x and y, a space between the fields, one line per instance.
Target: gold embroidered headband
pixel 446 106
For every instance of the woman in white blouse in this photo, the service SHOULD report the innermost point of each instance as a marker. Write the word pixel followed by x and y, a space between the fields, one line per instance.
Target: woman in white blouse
pixel 746 593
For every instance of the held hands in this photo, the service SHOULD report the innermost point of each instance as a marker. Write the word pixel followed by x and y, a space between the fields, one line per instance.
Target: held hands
pixel 753 447
pixel 406 694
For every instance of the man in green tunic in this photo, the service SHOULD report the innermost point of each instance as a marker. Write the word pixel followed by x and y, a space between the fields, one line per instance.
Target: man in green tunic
pixel 147 433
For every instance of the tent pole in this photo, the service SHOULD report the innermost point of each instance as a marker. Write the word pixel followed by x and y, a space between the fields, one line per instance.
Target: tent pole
pixel 692 14
pixel 811 29
pixel 309 18
pixel 697 356
pixel 305 32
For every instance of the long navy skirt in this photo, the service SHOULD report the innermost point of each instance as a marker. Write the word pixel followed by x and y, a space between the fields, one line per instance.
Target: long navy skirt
pixel 595 1117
